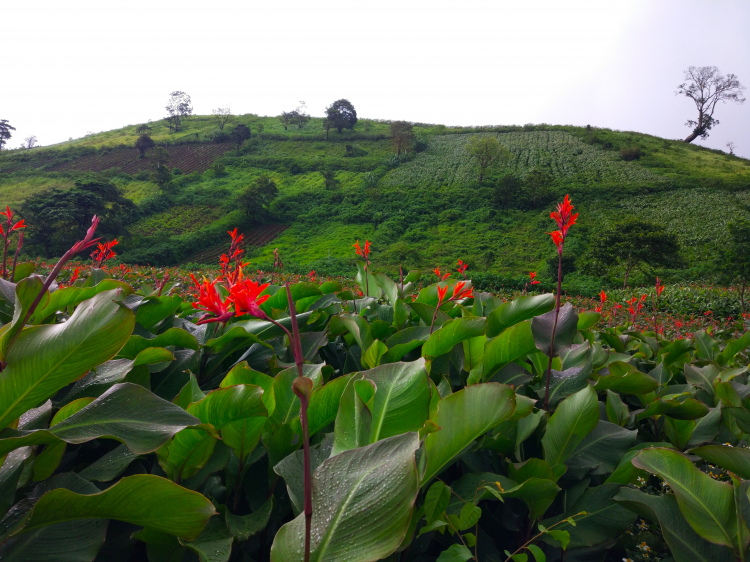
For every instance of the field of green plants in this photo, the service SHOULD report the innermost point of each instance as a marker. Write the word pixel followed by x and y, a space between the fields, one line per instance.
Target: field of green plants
pixel 234 414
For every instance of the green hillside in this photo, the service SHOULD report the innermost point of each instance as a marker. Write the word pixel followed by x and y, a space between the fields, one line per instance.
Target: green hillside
pixel 423 209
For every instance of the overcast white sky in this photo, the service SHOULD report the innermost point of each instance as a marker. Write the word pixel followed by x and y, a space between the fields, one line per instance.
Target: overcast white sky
pixel 72 66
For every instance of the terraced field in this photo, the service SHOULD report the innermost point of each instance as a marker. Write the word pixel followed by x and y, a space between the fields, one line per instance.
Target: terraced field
pixel 446 162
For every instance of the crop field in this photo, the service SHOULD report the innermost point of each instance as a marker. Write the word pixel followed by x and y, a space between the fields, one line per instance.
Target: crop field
pixel 446 162
pixel 255 238
pixel 175 221
pixel 186 157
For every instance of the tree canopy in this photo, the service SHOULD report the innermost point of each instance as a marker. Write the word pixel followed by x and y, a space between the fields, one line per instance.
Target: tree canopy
pixel 178 108
pixel 340 115
pixel 485 150
pixel 240 134
pixel 5 132
pixel 632 243
pixel 256 200
pixel 402 136
pixel 706 86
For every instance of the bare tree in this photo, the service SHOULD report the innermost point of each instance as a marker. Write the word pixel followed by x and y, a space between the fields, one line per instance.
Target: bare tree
pixel 30 142
pixel 178 107
pixel 706 86
pixel 731 146
pixel 222 115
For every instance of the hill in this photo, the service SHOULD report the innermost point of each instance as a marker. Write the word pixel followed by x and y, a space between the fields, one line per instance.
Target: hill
pixel 421 209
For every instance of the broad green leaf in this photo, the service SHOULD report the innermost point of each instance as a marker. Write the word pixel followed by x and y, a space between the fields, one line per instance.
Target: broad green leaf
pixel 242 374
pixel 155 309
pixel 603 448
pixel 688 409
pixel 362 504
pixel 426 312
pixel 733 348
pixel 354 417
pixel 176 337
pixel 243 527
pixel 684 543
pixel 588 319
pixel 127 412
pixel 707 505
pixel 358 328
pixel 626 378
pixel 389 287
pixel 706 347
pixel 93 334
pixel 574 419
pixel 190 393
pixel 537 493
pixel 324 404
pixel 23 270
pixel 537 552
pixel 371 284
pixel 143 499
pixel 567 327
pixel 292 470
pixel 110 466
pixel 513 344
pixel 733 459
pixel 617 410
pixel 452 333
pixel 72 296
pixel 214 544
pixel 465 416
pixel 518 310
pixel 23 296
pixel 469 516
pixel 374 353
pixel 436 501
pixel 402 398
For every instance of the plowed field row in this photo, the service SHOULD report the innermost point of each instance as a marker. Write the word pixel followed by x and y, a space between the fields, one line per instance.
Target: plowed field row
pixel 253 239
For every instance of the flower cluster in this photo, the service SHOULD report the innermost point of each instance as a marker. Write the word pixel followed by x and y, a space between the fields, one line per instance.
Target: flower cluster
pixel 244 297
pixel 103 253
pixel 462 268
pixel 441 276
pixel 564 218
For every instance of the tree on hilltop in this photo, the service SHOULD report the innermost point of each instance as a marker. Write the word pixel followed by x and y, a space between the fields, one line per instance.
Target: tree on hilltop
pixel 297 116
pixel 5 132
pixel 340 115
pixel 30 142
pixel 178 108
pixel 222 115
pixel 706 86
pixel 402 136
pixel 485 151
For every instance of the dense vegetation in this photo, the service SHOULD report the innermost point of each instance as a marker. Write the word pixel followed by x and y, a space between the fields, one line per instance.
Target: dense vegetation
pixel 416 195
pixel 405 420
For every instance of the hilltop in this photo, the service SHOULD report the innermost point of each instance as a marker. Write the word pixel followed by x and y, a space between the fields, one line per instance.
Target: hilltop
pixel 422 209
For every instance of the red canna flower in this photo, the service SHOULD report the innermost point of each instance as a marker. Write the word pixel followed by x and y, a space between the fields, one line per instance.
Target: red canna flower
pixel 441 277
pixel 103 252
pixel 209 301
pixel 564 218
pixel 603 297
pixel 74 276
pixel 558 239
pixel 532 274
pixel 462 268
pixel 360 252
pixel 441 294
pixel 247 298
pixel 659 287
pixel 460 293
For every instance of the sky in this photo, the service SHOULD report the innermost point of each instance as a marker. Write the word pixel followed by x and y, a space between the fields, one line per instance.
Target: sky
pixel 76 66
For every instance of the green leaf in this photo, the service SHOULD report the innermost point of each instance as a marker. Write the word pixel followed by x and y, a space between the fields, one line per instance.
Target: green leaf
pixel 733 348
pixel 368 494
pixel 426 313
pixel 214 544
pixel 518 310
pixel 93 334
pixel 374 353
pixel 402 398
pixel 733 459
pixel 469 516
pixel 574 419
pixel 354 418
pixel 567 328
pixel 155 309
pixel 537 493
pixel 358 328
pixel 372 282
pixel 436 501
pixel 706 347
pixel 127 412
pixel 688 409
pixel 324 404
pixel 513 344
pixel 176 337
pixel 603 448
pixel 588 319
pixel 625 378
pixel 143 499
pixel 684 543
pixel 243 527
pixel 563 537
pixel 110 466
pixel 73 296
pixel 707 505
pixel 455 553
pixel 452 333
pixel 465 416
pixel 389 287
pixel 537 552
pixel 23 270
pixel 242 374
pixel 617 410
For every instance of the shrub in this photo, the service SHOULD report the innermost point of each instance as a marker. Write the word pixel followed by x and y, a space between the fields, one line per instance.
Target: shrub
pixel 632 153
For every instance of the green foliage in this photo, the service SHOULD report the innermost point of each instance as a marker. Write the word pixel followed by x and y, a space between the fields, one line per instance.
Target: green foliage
pixel 426 446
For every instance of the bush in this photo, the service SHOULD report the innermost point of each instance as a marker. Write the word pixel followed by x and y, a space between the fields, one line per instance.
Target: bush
pixel 632 153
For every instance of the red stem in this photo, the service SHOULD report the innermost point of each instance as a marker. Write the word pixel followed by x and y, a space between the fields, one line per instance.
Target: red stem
pixel 15 258
pixel 554 329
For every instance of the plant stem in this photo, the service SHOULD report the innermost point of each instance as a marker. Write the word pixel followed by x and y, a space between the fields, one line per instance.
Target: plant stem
pixel 304 400
pixel 554 329
pixel 15 258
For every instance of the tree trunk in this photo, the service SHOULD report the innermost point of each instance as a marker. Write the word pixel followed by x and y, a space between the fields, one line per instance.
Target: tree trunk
pixel 694 135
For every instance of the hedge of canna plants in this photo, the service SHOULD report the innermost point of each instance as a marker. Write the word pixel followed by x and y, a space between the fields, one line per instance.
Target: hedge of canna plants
pixel 306 421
